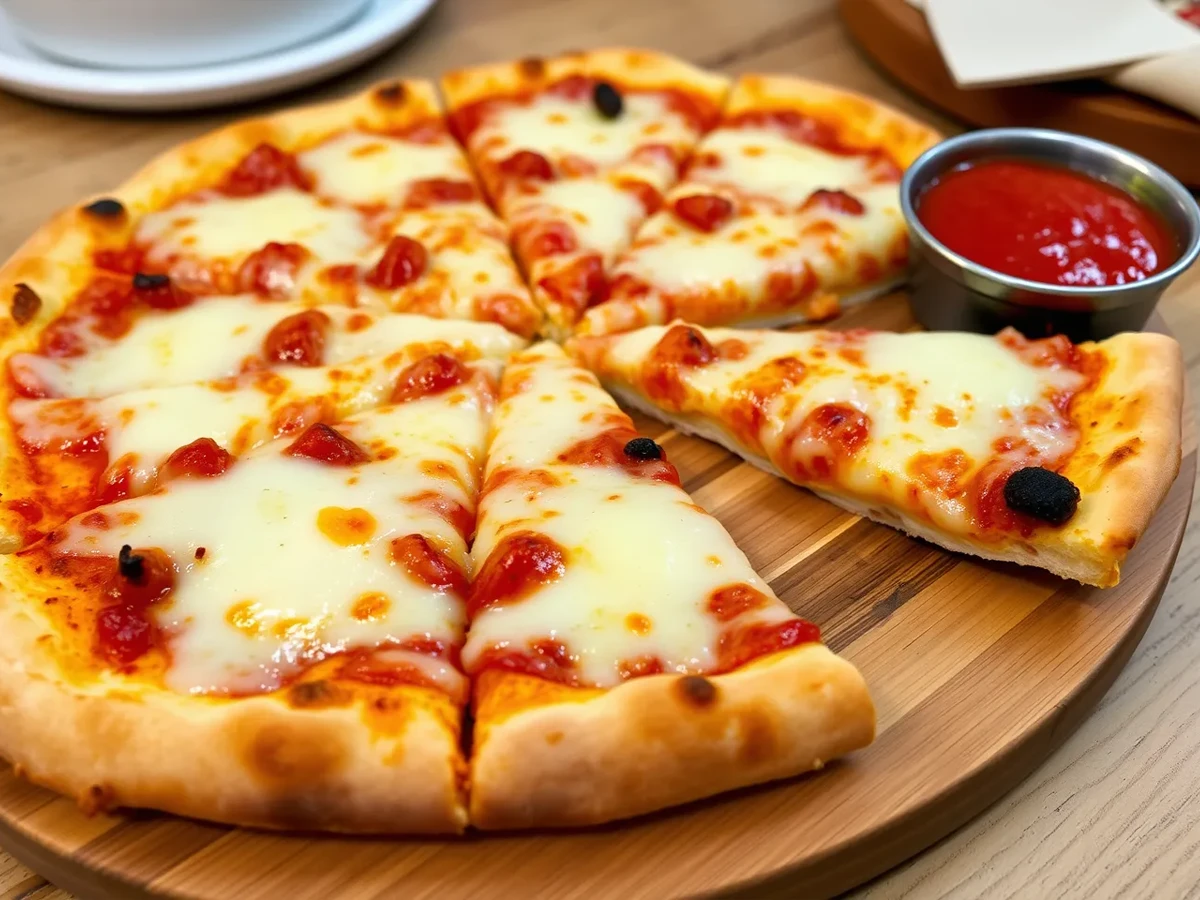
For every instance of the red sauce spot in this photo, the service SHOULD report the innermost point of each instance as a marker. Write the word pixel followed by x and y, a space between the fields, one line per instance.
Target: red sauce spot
pixel 704 212
pixel 751 396
pixel 608 449
pixel 829 435
pixel 429 376
pixel 517 566
pixel 534 480
pixel 578 285
pixel 544 658
pixel 202 458
pixel 116 484
pixel 298 339
pixel 403 262
pixel 729 602
pixel 271 271
pixel 640 666
pixel 434 191
pixel 739 646
pixel 126 260
pixel 458 516
pixel 164 296
pixel 1045 223
pixel 28 510
pixel 682 347
pixel 646 194
pixel 836 201
pixel 527 165
pixel 326 444
pixel 428 565
pixel 263 169
pixel 61 340
pixel 539 239
pixel 125 630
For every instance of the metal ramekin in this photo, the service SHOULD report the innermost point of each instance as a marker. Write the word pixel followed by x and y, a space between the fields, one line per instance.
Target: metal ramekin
pixel 951 293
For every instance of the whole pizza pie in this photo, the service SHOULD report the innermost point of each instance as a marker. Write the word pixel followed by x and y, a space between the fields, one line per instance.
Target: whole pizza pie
pixel 314 512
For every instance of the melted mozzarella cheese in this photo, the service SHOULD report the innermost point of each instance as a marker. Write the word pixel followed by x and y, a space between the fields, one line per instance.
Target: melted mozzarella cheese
pixel 275 590
pixel 144 427
pixel 214 337
pixel 557 127
pixel 220 227
pixel 373 169
pixel 601 215
pixel 764 163
pixel 986 390
pixel 642 560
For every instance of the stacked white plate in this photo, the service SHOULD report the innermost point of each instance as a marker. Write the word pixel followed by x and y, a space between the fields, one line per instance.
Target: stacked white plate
pixel 54 76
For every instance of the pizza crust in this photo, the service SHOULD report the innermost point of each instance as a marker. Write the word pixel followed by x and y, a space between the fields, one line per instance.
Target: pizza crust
pixel 633 67
pixel 1125 465
pixel 548 756
pixel 296 760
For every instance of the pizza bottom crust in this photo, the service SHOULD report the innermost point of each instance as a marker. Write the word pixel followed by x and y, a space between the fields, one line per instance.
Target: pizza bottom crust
pixel 549 756
pixel 389 766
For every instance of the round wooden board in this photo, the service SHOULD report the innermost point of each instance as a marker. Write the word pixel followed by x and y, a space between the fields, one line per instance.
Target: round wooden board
pixel 896 37
pixel 978 670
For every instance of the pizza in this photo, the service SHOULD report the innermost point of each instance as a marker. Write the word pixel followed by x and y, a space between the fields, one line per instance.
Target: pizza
pixel 1039 452
pixel 297 530
pixel 594 575
pixel 575 151
pixel 789 209
pixel 367 201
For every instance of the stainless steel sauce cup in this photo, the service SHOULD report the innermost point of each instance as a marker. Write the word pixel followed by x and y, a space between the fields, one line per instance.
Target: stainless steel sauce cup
pixel 951 293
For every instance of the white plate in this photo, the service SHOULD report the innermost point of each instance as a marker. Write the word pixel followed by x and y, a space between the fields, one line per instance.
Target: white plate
pixel 381 24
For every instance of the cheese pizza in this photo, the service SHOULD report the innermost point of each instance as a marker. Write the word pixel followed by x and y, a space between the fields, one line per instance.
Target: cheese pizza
pixel 626 656
pixel 269 640
pixel 789 209
pixel 1038 452
pixel 368 201
pixel 575 152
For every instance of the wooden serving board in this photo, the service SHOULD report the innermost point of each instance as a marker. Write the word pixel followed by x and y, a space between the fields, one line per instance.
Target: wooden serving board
pixel 978 671
pixel 897 38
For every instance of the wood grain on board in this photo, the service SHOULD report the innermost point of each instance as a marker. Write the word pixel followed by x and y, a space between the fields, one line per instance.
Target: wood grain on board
pixel 978 670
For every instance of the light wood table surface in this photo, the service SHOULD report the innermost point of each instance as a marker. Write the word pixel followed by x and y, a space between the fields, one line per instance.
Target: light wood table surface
pixel 1112 813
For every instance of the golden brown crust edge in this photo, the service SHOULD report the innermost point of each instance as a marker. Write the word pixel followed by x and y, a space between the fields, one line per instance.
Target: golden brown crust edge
pixel 387 767
pixel 663 740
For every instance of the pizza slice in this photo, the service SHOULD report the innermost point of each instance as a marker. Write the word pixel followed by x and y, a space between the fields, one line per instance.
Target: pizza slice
pixel 1038 452
pixel 368 200
pixel 789 209
pixel 270 642
pixel 77 453
pixel 625 655
pixel 575 152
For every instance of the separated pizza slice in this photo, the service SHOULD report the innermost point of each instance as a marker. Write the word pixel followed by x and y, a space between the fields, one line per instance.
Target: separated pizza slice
pixel 1037 452
pixel 76 453
pixel 366 200
pixel 271 642
pixel 625 655
pixel 575 152
pixel 789 210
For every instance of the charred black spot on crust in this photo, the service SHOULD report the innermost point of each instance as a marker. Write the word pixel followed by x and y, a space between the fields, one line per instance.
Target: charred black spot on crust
pixel 643 448
pixel 532 67
pixel 697 690
pixel 25 303
pixel 607 100
pixel 143 281
pixel 131 565
pixel 105 208
pixel 391 94
pixel 308 694
pixel 1041 494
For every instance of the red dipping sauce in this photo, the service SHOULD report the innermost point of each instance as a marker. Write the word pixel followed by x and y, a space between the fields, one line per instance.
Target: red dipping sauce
pixel 1045 223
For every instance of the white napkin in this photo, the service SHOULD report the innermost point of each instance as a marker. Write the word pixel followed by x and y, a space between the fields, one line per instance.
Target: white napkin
pixel 1137 45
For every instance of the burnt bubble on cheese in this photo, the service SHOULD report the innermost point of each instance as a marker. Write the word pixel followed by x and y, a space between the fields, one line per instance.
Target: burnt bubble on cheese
pixel 1041 493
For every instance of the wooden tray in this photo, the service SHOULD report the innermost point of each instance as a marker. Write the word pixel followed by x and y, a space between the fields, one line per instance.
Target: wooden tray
pixel 896 37
pixel 978 670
